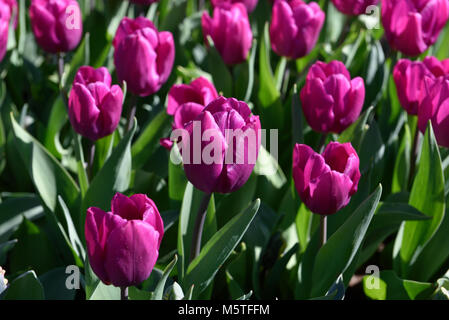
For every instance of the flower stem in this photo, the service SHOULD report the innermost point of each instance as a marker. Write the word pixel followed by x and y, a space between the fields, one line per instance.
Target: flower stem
pixel 323 227
pixel 132 113
pixel 199 226
pixel 321 143
pixel 90 164
pixel 413 156
pixel 60 78
pixel 123 293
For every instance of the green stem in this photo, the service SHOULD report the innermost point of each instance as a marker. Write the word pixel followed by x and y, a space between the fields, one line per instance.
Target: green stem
pixel 199 226
pixel 90 164
pixel 413 156
pixel 323 228
pixel 123 293
pixel 82 175
pixel 132 113
pixel 321 143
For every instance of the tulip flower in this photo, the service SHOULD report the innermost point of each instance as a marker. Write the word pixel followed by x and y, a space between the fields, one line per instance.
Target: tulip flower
pixel 143 56
pixel 230 31
pixel 411 26
pixel 57 24
pixel 295 27
pixel 94 105
pixel 123 245
pixel 7 9
pixel 325 182
pixel 200 91
pixel 435 107
pixel 222 146
pixel 354 7
pixel 250 5
pixel 409 79
pixel 331 101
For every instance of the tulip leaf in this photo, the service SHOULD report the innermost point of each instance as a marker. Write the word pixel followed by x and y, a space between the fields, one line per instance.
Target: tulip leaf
pixel 356 131
pixel 203 268
pixel 148 140
pixel 427 196
pixel 4 248
pixel 388 286
pixel 97 290
pixel 297 118
pixel 221 76
pixel 25 287
pixel 113 177
pixel 48 175
pixel 268 166
pixel 339 251
pixel 402 163
pixel 54 283
pixel 159 291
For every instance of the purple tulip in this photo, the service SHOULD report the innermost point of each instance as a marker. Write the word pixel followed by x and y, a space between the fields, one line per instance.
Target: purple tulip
pixel 143 56
pixel 295 27
pixel 325 182
pixel 354 7
pixel 7 9
pixel 409 79
pixel 200 91
pixel 57 24
pixel 411 26
pixel 435 107
pixel 331 101
pixel 250 5
pixel 221 146
pixel 123 245
pixel 94 106
pixel 230 31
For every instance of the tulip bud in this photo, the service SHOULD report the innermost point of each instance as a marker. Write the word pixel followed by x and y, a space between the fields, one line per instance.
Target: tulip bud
pixel 325 182
pixel 143 56
pixel 409 79
pixel 435 107
pixel 123 245
pixel 295 27
pixel 57 24
pixel 221 147
pixel 354 7
pixel 230 31
pixel 8 8
pixel 411 26
pixel 250 5
pixel 94 106
pixel 331 101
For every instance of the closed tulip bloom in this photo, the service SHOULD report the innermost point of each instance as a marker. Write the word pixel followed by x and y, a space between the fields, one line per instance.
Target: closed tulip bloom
pixel 295 27
pixel 123 244
pixel 435 107
pixel 250 5
pixel 409 79
pixel 411 26
pixel 331 101
pixel 94 105
pixel 224 144
pixel 354 7
pixel 143 56
pixel 7 9
pixel 230 31
pixel 200 91
pixel 57 24
pixel 325 182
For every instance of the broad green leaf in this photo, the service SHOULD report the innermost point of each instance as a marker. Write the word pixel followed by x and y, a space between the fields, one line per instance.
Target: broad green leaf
pixel 427 196
pixel 4 248
pixel 159 291
pixel 391 287
pixel 251 71
pixel 54 283
pixel 268 166
pixel 402 163
pixel 47 174
pixel 355 133
pixel 219 71
pixel 337 254
pixel 148 140
pixel 25 287
pixel 137 294
pixel 113 177
pixel 203 268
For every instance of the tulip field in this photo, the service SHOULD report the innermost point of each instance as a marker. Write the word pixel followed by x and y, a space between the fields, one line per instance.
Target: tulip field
pixel 224 150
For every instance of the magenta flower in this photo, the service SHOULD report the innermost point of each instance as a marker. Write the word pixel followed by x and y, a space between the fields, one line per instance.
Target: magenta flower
pixel 325 182
pixel 143 56
pixel 123 245
pixel 411 26
pixel 57 24
pixel 95 106
pixel 354 7
pixel 331 101
pixel 250 5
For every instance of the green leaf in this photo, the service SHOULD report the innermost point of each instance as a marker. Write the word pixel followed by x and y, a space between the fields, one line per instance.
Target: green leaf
pixel 402 163
pixel 25 287
pixel 219 71
pixel 148 140
pixel 159 291
pixel 391 287
pixel 427 196
pixel 137 294
pixel 356 131
pixel 97 290
pixel 267 165
pixel 47 174
pixel 203 268
pixel 113 177
pixel 337 254
pixel 251 69
pixel 54 283
pixel 4 248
